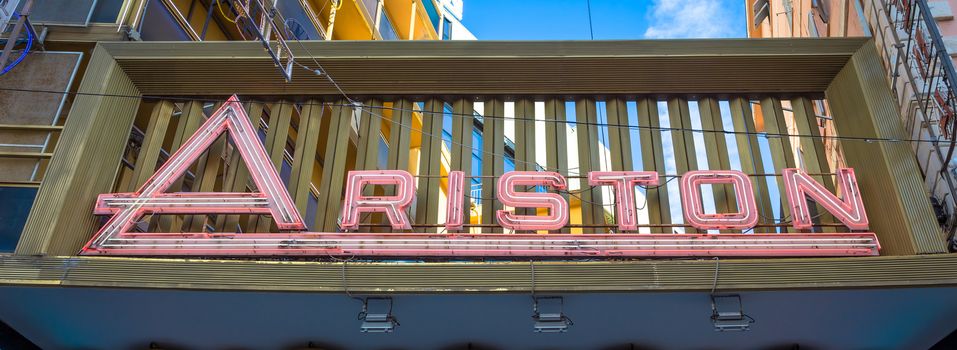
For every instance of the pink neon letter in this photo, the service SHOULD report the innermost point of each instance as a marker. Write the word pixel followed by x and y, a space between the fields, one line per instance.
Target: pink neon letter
pixel 624 182
pixel 849 209
pixel 557 206
pixel 746 216
pixel 393 206
pixel 152 197
pixel 453 214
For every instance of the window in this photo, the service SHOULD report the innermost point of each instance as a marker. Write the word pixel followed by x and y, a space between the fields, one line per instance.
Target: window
pixel 475 183
pixel 285 172
pixel 385 28
pixel 370 7
pixel 383 158
pixel 811 26
pixel 446 29
pixel 62 12
pixel 447 126
pixel 312 207
pixel 298 23
pixel 16 203
pixel 509 163
pixel 821 8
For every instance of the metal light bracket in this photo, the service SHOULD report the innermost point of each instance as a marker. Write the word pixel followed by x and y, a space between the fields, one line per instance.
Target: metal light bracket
pixel 549 315
pixel 727 313
pixel 376 316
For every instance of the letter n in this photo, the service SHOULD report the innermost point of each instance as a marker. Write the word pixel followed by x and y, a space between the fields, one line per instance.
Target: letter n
pixel 848 208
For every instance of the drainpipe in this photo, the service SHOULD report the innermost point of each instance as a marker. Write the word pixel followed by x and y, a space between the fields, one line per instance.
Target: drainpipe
pixel 412 22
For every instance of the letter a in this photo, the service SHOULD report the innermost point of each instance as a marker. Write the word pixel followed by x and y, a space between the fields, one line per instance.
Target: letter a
pixel 272 198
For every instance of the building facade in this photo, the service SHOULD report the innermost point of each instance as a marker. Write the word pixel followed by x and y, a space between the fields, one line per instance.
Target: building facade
pixel 313 193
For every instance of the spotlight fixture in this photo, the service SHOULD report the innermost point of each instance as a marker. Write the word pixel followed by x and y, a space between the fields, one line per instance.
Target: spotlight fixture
pixel 728 315
pixel 549 315
pixel 376 316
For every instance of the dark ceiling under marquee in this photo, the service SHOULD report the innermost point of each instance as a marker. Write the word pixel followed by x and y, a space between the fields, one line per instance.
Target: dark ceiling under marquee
pixel 93 318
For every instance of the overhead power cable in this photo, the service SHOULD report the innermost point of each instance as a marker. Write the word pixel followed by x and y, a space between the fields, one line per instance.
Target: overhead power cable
pixel 24 52
pixel 634 127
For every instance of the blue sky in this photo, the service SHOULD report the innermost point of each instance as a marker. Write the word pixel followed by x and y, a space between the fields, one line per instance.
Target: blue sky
pixel 611 19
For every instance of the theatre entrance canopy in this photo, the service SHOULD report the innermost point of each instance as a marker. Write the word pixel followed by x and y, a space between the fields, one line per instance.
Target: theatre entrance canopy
pixel 503 150
pixel 442 167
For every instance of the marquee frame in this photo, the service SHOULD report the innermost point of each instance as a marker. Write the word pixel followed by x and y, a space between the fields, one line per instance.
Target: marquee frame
pixel 847 71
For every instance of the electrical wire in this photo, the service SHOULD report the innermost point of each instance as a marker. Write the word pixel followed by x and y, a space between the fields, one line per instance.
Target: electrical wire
pixel 219 4
pixel 23 54
pixel 321 71
pixel 382 118
pixel 591 29
pixel 345 286
pixel 717 266
pixel 634 127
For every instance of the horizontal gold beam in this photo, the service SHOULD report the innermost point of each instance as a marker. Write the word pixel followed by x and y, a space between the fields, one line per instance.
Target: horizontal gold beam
pixel 31 127
pixel 29 184
pixel 476 68
pixel 26 155
pixel 479 277
pixel 94 32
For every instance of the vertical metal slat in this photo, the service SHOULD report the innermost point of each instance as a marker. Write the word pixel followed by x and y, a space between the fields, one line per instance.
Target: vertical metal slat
pixel 682 140
pixel 189 121
pixel 653 159
pixel 556 137
pixel 749 153
pixel 152 143
pixel 207 172
pixel 525 142
pixel 619 136
pixel 400 138
pixel 280 115
pixel 367 150
pixel 493 159
pixel 430 163
pixel 462 125
pixel 237 176
pixel 588 145
pixel 782 155
pixel 334 167
pixel 304 157
pixel 717 146
pixel 812 149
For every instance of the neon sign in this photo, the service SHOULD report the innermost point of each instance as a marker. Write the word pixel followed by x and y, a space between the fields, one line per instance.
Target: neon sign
pixel 117 238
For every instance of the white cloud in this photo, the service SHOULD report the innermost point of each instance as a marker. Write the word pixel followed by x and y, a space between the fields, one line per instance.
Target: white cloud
pixel 671 19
